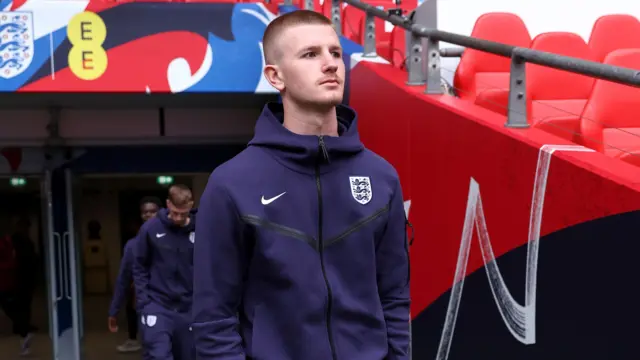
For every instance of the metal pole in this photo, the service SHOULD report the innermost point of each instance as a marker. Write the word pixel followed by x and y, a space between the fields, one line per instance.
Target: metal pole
pixel 369 36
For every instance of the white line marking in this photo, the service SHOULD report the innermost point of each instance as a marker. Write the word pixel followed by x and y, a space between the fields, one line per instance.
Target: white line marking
pixel 519 319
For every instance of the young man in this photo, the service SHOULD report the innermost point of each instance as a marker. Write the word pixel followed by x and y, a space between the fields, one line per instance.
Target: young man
pixel 302 249
pixel 149 206
pixel 163 278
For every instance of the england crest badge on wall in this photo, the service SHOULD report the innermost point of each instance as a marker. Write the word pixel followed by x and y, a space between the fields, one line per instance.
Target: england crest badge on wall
pixel 16 42
pixel 192 237
pixel 361 189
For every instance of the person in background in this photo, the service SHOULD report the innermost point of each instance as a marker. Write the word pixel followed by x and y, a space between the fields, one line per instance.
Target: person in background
pixel 26 277
pixel 163 277
pixel 149 206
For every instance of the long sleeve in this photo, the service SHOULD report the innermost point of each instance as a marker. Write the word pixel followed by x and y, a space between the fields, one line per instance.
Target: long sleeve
pixel 123 281
pixel 219 256
pixel 392 259
pixel 140 268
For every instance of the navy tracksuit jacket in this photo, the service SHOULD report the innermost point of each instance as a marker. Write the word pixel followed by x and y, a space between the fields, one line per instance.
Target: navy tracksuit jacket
pixel 305 238
pixel 163 279
pixel 123 282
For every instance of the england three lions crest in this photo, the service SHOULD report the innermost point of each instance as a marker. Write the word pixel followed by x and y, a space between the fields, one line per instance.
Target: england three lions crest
pixel 16 42
pixel 361 189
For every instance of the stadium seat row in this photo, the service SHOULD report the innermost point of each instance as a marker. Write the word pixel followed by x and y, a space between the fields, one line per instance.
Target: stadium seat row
pixel 595 113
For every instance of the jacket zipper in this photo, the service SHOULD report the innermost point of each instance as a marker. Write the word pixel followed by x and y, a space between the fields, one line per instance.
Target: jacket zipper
pixel 358 225
pixel 284 230
pixel 325 157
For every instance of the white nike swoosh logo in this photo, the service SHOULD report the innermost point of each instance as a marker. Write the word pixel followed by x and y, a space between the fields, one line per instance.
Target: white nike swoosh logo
pixel 160 235
pixel 269 201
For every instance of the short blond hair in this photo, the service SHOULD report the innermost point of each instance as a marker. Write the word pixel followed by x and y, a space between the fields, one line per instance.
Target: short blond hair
pixel 180 195
pixel 280 24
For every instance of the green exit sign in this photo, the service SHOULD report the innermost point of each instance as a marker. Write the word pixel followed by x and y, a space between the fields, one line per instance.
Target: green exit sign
pixel 164 180
pixel 18 181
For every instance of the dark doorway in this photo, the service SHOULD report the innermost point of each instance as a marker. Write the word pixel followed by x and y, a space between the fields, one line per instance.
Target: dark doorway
pixel 25 204
pixel 129 208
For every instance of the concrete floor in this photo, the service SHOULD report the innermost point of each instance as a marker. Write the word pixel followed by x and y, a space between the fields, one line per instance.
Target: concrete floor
pixel 98 342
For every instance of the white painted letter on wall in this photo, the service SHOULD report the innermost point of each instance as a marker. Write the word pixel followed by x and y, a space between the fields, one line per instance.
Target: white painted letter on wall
pixel 519 319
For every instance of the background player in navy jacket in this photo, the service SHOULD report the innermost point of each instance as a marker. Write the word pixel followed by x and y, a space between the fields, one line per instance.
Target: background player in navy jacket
pixel 163 277
pixel 302 249
pixel 123 291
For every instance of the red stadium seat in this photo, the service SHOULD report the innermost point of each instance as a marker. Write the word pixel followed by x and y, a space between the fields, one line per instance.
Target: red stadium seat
pixel 383 39
pixel 352 23
pixel 610 123
pixel 556 98
pixel 613 32
pixel 484 78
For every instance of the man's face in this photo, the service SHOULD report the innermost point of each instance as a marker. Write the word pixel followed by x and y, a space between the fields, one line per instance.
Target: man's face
pixel 179 215
pixel 310 65
pixel 148 210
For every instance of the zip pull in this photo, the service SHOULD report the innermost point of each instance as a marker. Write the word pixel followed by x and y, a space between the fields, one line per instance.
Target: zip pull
pixel 323 148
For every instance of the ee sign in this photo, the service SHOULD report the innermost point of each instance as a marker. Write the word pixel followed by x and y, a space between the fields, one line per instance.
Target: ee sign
pixel 87 59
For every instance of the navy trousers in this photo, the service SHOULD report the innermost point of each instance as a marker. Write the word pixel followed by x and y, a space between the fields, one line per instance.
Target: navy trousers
pixel 166 334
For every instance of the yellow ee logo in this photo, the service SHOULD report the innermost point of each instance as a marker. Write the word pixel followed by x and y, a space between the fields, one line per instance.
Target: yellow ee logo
pixel 87 32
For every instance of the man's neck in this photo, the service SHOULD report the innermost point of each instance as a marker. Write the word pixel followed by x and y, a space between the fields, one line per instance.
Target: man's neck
pixel 306 121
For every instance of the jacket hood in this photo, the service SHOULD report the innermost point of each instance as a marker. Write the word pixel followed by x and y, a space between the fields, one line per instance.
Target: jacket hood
pixel 305 152
pixel 163 215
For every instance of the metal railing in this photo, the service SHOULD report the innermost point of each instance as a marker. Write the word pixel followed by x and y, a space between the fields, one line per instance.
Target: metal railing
pixel 423 54
pixel 452 52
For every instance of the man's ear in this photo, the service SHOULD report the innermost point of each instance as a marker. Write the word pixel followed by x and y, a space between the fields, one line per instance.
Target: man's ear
pixel 274 76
